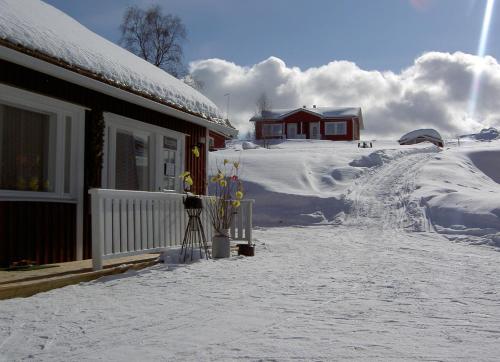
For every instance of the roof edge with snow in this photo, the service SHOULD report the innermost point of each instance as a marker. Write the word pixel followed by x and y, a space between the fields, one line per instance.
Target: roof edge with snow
pixel 100 65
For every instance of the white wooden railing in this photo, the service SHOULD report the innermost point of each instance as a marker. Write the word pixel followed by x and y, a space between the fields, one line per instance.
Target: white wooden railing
pixel 128 223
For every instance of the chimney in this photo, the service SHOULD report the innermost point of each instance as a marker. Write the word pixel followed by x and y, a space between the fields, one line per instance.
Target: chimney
pixel 314 106
pixel 303 106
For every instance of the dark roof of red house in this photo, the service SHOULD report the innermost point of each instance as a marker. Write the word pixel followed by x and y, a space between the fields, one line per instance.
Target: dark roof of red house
pixel 322 112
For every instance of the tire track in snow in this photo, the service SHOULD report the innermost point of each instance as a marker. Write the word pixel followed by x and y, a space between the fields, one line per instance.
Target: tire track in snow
pixel 383 196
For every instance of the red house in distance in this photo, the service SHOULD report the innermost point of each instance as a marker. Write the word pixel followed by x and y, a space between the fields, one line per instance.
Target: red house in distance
pixel 322 123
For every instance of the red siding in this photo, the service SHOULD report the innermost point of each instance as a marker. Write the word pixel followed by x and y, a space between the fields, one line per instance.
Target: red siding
pixel 303 119
pixel 219 141
pixel 44 232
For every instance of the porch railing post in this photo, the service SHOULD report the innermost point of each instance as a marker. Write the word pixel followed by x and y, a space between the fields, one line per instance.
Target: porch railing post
pixel 248 222
pixel 97 206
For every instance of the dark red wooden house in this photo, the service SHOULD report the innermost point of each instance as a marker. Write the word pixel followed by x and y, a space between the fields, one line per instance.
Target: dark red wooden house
pixel 77 112
pixel 217 140
pixel 325 123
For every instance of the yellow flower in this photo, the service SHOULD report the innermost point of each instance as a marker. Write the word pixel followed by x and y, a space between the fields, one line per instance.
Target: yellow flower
pixel 223 183
pixel 236 164
pixel 214 179
pixel 196 151
pixel 226 161
pixel 188 180
pixel 185 174
pixel 34 184
pixel 236 203
pixel 239 195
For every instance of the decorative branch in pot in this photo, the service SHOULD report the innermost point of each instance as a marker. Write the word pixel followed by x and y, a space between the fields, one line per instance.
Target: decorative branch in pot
pixel 226 192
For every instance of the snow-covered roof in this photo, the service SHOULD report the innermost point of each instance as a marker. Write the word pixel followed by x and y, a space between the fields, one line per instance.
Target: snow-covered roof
pixel 323 112
pixel 35 26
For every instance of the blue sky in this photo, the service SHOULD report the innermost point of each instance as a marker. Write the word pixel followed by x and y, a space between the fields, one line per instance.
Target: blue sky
pixel 374 34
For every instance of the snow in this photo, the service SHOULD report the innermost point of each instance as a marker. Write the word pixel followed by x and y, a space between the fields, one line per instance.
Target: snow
pixel 421 134
pixel 486 134
pixel 309 182
pixel 309 294
pixel 38 26
pixel 376 257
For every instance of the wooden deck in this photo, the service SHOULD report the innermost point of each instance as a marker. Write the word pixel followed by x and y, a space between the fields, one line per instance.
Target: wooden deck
pixel 24 283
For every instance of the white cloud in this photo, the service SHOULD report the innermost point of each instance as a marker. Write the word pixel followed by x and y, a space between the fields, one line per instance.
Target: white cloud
pixel 433 92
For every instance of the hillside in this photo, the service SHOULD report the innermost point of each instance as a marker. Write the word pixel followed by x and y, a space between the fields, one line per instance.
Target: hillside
pixel 454 191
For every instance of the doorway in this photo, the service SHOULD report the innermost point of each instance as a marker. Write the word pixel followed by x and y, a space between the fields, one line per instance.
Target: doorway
pixel 314 132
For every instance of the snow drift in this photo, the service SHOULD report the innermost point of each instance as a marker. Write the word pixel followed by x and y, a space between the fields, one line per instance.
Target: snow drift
pixel 307 182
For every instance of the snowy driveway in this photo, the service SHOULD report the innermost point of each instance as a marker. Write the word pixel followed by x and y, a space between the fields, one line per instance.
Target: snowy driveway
pixel 317 293
pixel 363 290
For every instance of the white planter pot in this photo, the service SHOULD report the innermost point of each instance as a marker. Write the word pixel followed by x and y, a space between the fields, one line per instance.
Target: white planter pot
pixel 220 246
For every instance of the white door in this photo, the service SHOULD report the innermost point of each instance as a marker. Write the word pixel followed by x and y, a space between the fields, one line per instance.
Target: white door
pixel 291 130
pixel 314 132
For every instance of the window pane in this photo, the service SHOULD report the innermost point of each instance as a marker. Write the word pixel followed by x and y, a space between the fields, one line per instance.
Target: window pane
pixel 341 128
pixel 26 150
pixel 132 161
pixel 169 155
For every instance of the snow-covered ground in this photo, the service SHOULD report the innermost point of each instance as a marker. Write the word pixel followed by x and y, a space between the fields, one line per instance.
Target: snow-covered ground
pixel 356 270
pixel 454 191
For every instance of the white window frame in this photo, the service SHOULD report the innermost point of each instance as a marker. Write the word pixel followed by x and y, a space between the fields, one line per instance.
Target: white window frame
pixel 113 122
pixel 25 100
pixel 336 126
pixel 38 103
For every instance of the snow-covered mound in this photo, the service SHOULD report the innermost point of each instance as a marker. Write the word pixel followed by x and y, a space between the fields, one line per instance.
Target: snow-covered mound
pixel 422 135
pixel 460 189
pixel 455 192
pixel 304 182
pixel 39 27
pixel 487 134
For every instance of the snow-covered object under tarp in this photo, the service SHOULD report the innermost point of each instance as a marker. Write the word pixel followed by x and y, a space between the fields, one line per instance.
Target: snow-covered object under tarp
pixel 38 27
pixel 422 135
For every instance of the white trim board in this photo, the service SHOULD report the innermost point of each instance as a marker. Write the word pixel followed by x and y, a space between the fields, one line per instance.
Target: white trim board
pixel 73 77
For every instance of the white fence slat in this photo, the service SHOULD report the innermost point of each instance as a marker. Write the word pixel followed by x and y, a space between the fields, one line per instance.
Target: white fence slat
pixel 144 226
pixel 155 224
pixel 161 222
pixel 108 226
pixel 122 206
pixel 116 225
pixel 130 225
pixel 137 224
pixel 240 222
pixel 150 224
pixel 248 224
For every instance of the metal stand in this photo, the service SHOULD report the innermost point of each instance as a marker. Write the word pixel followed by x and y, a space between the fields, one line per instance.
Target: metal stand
pixel 194 235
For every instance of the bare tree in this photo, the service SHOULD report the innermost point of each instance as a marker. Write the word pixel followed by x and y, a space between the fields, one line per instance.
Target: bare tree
pixel 155 37
pixel 263 104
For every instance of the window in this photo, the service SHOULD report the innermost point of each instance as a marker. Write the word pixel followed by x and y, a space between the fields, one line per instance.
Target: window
pixel 39 146
pixel 132 160
pixel 27 155
pixel 335 128
pixel 272 130
pixel 140 156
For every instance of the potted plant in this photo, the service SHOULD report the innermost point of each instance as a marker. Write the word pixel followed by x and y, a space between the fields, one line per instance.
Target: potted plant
pixel 226 192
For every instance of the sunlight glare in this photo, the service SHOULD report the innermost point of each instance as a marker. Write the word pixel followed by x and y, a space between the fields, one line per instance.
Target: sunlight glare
pixel 483 40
